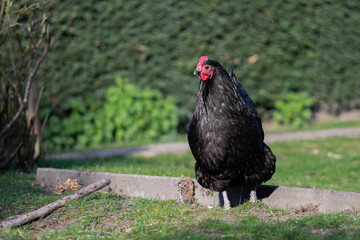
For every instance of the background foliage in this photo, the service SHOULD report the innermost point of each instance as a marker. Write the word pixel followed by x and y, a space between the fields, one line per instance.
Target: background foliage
pixel 293 109
pixel 276 47
pixel 128 114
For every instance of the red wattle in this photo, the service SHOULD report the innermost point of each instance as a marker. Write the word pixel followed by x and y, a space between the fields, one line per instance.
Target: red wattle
pixel 203 77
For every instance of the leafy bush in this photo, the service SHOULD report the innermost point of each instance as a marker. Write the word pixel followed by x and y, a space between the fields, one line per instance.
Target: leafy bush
pixel 128 114
pixel 294 109
pixel 63 133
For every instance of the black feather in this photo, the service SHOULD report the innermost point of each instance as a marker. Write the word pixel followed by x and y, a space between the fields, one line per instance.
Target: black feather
pixel 226 135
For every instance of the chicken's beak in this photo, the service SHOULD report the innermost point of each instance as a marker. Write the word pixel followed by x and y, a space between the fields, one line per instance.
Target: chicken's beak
pixel 197 71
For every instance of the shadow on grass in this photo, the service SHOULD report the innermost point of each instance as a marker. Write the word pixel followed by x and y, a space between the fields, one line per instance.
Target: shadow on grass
pixel 240 195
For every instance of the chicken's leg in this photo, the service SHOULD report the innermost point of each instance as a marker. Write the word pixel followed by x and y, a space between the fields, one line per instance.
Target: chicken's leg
pixel 253 196
pixel 227 205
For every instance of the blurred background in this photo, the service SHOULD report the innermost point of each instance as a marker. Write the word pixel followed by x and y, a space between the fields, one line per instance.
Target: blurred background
pixel 119 73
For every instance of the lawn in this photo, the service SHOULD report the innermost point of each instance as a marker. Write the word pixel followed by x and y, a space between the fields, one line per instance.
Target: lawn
pixel 271 127
pixel 332 163
pixel 109 216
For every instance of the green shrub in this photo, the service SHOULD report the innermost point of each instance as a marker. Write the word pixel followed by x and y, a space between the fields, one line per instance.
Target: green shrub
pixel 128 114
pixel 63 133
pixel 293 109
pixel 131 113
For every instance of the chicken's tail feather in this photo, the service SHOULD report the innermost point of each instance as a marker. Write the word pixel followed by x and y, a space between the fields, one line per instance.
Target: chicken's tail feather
pixel 270 160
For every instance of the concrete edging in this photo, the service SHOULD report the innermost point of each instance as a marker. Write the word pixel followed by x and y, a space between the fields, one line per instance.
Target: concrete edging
pixel 166 188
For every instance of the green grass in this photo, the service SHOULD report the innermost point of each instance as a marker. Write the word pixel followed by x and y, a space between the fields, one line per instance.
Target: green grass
pixel 18 195
pixel 160 165
pixel 318 125
pixel 109 216
pixel 332 163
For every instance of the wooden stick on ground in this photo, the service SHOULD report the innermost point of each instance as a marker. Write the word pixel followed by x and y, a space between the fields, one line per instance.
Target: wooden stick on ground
pixel 28 217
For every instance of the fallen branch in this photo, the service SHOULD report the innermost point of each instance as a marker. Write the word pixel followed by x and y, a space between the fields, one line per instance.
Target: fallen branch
pixel 41 212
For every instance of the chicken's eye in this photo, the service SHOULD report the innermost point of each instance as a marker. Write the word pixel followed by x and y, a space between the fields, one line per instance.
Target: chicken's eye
pixel 207 67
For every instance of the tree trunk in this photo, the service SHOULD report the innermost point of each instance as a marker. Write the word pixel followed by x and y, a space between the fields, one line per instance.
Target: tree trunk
pixel 33 116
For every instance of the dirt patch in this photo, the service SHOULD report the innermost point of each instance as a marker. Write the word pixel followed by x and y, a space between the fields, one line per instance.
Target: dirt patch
pixel 187 189
pixel 306 209
pixel 262 212
pixel 57 220
pixel 268 214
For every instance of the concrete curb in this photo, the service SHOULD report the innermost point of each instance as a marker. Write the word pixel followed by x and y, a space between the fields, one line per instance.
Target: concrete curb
pixel 166 188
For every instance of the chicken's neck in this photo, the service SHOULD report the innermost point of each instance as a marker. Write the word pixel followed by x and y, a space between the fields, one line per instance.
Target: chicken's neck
pixel 215 97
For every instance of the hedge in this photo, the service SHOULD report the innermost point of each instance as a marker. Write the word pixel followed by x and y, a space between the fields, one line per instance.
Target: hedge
pixel 275 46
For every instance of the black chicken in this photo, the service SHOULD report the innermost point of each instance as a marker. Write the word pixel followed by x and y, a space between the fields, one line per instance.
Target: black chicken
pixel 226 135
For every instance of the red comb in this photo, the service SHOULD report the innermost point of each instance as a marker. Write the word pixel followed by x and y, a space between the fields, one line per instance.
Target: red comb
pixel 201 60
